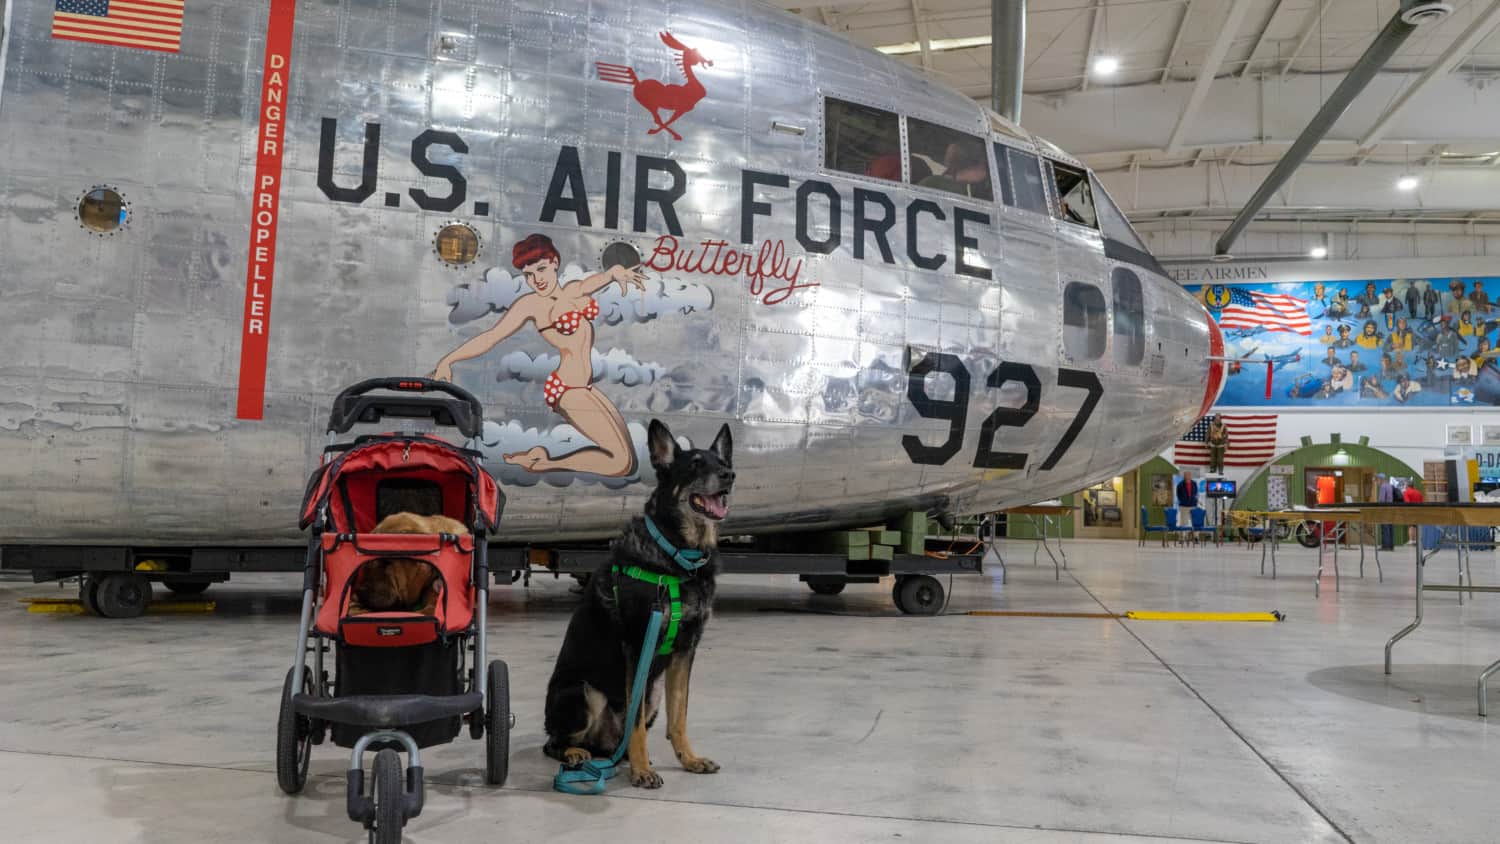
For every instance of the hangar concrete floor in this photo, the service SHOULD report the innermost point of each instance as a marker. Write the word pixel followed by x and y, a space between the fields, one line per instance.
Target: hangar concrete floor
pixel 860 727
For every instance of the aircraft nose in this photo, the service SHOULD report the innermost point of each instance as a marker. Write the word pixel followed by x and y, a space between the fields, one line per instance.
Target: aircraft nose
pixel 1216 368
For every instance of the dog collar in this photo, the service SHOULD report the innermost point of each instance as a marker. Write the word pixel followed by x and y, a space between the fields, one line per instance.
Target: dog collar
pixel 689 559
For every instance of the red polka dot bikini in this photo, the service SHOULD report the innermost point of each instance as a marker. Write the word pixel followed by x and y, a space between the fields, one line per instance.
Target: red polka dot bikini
pixel 566 324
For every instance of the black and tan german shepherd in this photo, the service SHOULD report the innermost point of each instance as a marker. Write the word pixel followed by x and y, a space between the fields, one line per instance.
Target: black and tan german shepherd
pixel 590 686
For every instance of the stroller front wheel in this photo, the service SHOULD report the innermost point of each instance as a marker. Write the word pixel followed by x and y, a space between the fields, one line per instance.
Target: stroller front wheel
pixel 293 739
pixel 390 798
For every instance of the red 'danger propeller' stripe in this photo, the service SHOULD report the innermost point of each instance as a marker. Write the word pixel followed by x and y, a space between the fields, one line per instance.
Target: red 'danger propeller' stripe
pixel 266 193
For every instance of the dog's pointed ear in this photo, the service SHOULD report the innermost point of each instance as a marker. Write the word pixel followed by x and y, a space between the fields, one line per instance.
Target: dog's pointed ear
pixel 724 445
pixel 663 445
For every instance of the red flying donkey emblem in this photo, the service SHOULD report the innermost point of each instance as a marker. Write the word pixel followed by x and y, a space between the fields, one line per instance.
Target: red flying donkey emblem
pixel 657 97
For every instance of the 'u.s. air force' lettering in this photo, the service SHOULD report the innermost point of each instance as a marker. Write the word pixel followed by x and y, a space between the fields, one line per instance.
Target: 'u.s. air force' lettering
pixel 662 182
pixel 956 410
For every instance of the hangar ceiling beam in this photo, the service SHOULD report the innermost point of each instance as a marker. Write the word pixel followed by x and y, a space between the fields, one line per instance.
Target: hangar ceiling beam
pixel 1187 12
pixel 1314 15
pixel 1260 39
pixel 1206 74
pixel 1480 29
pixel 1088 54
pixel 919 21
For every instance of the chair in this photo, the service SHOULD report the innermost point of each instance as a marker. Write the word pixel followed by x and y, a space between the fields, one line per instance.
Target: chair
pixel 1147 527
pixel 1171 528
pixel 1199 517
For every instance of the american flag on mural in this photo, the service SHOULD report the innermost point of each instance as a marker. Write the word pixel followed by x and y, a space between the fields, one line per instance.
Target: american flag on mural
pixel 1252 441
pixel 1269 311
pixel 143 24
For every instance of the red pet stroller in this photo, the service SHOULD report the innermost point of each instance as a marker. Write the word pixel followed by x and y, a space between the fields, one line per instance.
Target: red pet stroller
pixel 405 678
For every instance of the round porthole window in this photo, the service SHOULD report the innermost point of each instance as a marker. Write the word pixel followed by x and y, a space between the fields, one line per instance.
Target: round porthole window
pixel 103 210
pixel 456 244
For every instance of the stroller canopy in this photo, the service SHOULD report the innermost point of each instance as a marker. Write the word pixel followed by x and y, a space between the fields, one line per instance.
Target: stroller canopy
pixel 391 474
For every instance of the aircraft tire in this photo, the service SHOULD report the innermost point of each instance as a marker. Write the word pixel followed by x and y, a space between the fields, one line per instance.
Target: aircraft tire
pixel 88 593
pixel 918 594
pixel 123 595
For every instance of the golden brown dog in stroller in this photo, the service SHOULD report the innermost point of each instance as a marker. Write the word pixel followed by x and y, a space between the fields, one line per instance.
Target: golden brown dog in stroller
pixel 402 583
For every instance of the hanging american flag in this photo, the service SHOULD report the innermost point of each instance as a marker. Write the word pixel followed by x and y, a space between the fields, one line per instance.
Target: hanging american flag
pixel 1268 311
pixel 1252 441
pixel 143 24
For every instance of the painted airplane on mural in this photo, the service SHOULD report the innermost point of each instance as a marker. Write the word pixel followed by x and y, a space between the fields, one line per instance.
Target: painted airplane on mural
pixel 218 215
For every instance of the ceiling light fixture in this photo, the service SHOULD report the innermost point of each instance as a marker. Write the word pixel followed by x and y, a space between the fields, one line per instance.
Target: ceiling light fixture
pixel 1106 65
pixel 1318 252
pixel 1406 183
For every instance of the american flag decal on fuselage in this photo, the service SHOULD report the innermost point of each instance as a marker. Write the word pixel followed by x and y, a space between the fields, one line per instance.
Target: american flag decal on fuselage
pixel 142 24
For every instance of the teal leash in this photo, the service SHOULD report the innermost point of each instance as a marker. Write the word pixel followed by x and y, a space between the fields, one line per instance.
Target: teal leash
pixel 589 778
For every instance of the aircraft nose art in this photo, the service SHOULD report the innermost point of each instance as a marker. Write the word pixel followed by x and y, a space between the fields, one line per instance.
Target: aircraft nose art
pixel 1216 368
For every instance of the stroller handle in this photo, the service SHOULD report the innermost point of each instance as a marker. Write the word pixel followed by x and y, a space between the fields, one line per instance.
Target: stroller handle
pixel 459 409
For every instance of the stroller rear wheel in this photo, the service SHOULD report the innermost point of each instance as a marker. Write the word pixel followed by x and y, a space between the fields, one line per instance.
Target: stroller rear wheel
pixel 293 738
pixel 497 724
pixel 390 798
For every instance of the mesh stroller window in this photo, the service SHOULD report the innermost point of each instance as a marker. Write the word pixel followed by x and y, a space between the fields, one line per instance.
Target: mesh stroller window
pixel 408 495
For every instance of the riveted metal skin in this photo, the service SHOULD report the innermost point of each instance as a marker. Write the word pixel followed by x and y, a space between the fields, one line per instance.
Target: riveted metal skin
pixel 120 357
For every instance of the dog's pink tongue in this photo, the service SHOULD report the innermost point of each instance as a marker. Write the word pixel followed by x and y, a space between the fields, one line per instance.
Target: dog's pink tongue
pixel 715 506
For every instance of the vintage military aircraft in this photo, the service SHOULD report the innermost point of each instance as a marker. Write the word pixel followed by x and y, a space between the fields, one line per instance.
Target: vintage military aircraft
pixel 217 214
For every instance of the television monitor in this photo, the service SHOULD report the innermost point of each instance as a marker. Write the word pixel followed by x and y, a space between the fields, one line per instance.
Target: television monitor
pixel 1219 489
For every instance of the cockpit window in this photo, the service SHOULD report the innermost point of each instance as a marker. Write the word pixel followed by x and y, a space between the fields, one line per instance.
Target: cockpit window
pixel 1130 318
pixel 862 140
pixel 1075 200
pixel 948 160
pixel 1021 183
pixel 1112 221
pixel 1085 321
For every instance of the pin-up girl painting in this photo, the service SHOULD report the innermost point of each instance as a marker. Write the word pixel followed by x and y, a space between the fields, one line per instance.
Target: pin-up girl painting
pixel 565 312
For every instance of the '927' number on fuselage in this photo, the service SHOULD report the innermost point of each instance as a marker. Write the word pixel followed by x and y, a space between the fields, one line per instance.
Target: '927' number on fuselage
pixel 956 411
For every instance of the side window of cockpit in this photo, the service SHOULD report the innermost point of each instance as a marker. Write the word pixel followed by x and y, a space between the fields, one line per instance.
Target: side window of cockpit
pixel 1130 318
pixel 1075 199
pixel 1112 221
pixel 1021 183
pixel 1085 321
pixel 861 140
pixel 948 160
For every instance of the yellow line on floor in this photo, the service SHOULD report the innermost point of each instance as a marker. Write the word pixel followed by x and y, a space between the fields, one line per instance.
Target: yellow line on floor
pixel 73 606
pixel 1147 615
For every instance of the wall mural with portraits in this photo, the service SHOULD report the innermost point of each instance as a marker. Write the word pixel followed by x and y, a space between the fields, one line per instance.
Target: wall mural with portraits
pixel 1387 343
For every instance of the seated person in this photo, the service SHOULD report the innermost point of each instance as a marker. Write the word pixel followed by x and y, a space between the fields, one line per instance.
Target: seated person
pixel 964 170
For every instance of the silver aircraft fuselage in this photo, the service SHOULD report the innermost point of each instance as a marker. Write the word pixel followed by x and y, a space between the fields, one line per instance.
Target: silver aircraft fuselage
pixel 303 187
